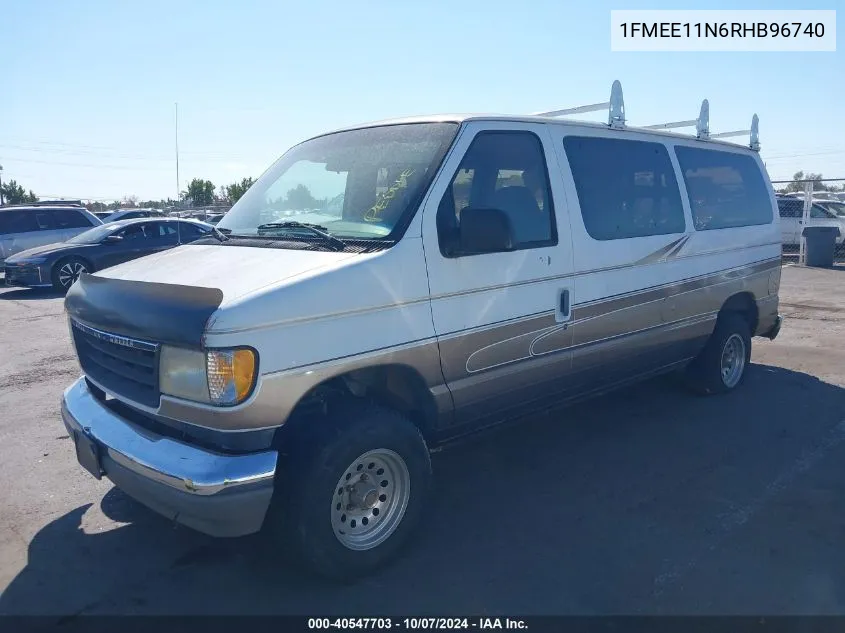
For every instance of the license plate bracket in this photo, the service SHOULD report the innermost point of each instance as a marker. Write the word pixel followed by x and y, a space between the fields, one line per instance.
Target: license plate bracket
pixel 88 454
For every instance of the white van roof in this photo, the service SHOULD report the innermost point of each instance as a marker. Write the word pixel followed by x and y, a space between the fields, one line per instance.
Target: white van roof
pixel 616 120
pixel 468 117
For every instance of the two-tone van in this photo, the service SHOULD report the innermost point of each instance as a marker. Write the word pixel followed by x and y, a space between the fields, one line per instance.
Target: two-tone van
pixel 384 288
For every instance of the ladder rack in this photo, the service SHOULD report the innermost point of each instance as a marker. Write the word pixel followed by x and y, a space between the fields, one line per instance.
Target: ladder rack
pixel 615 107
pixel 616 118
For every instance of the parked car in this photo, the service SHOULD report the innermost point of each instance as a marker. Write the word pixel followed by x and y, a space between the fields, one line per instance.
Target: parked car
pixel 128 214
pixel 59 265
pixel 26 226
pixel 791 211
pixel 103 214
pixel 836 207
pixel 294 375
pixel 214 218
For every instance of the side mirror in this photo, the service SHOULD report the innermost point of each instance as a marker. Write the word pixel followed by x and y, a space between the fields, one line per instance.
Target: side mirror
pixel 113 239
pixel 485 230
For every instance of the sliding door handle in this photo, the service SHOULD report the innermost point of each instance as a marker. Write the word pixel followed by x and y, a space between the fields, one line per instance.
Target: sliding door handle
pixel 564 302
pixel 563 309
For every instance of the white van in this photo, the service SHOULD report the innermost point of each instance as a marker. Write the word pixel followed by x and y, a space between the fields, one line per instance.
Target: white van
pixel 791 211
pixel 387 287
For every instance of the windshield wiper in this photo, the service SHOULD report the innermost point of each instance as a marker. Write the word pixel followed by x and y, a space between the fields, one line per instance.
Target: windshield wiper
pixel 314 229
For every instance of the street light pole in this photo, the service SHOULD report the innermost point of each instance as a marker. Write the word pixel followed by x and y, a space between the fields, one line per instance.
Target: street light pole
pixel 1 185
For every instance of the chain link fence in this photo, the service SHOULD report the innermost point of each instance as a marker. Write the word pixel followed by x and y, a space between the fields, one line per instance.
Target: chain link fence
pixel 810 203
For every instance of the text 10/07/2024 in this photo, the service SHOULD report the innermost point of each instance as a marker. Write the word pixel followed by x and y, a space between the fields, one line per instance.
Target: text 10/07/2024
pixel 422 623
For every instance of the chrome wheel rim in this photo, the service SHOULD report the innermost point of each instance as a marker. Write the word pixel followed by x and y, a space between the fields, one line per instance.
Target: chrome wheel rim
pixel 370 499
pixel 70 272
pixel 733 360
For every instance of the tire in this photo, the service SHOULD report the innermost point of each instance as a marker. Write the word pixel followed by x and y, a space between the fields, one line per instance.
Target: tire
pixel 731 342
pixel 66 271
pixel 384 458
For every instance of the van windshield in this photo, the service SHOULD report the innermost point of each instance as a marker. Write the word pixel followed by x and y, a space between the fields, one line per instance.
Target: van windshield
pixel 358 184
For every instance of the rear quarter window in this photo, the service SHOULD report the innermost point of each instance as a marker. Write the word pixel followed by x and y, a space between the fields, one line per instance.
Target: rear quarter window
pixel 725 189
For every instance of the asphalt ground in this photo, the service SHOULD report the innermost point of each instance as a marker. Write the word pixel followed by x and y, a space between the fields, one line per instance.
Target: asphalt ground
pixel 648 501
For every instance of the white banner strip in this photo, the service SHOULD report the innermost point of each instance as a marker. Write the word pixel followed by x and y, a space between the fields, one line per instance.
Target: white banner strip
pixel 720 31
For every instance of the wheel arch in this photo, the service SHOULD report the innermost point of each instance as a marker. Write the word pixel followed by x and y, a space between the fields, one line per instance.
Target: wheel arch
pixel 394 385
pixel 744 304
pixel 85 260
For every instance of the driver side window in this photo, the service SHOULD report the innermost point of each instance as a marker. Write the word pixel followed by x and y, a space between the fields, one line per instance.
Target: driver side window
pixel 133 232
pixel 503 178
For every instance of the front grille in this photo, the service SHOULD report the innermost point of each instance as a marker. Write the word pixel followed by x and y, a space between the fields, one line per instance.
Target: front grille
pixel 24 273
pixel 125 366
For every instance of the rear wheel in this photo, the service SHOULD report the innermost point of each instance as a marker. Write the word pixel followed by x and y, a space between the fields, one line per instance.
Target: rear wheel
pixel 722 364
pixel 354 491
pixel 66 271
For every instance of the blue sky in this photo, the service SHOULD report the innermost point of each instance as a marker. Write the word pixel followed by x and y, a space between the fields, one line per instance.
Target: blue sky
pixel 88 90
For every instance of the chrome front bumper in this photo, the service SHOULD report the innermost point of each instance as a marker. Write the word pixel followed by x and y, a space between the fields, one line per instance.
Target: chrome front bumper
pixel 215 493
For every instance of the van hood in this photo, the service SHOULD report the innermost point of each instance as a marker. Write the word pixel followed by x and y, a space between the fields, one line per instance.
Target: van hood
pixel 234 270
pixel 169 297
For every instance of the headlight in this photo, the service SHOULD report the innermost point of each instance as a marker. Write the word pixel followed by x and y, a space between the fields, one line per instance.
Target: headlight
pixel 215 376
pixel 231 374
pixel 31 260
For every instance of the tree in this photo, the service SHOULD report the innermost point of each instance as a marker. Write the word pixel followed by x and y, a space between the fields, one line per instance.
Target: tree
pixel 96 207
pixel 129 202
pixel 799 180
pixel 200 192
pixel 13 193
pixel 238 189
pixel 299 198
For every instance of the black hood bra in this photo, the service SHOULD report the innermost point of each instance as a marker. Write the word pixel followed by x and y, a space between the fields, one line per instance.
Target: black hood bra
pixel 162 313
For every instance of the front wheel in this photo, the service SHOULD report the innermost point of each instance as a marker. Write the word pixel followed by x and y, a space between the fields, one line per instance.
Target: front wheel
pixel 722 364
pixel 358 493
pixel 66 271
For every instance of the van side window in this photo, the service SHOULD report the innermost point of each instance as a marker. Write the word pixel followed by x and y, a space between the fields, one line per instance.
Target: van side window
pixel 625 188
pixel 725 189
pixel 504 171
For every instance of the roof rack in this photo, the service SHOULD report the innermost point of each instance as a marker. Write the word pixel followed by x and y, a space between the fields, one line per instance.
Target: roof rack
pixel 616 118
pixel 48 203
pixel 615 107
